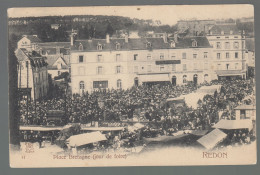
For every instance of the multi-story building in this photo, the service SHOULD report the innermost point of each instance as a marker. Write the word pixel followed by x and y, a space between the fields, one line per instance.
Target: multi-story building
pixel 123 63
pixel 32 74
pixel 29 42
pixel 228 51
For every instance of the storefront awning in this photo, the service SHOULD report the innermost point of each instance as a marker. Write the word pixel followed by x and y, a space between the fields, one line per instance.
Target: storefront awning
pixel 154 77
pixel 229 72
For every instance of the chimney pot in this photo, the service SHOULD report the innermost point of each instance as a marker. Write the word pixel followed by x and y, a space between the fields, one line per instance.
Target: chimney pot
pixel 107 38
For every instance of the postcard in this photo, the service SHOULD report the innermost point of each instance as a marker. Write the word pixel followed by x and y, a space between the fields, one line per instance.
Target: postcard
pixel 97 86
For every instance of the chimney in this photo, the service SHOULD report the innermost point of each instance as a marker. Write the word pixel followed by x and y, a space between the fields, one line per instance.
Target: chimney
pixel 107 38
pixel 126 38
pixel 57 51
pixel 165 37
pixel 71 39
pixel 175 35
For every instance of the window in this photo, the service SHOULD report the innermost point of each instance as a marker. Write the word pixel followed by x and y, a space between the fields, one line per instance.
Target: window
pixel 81 85
pixel 194 56
pixel 194 43
pixel 205 55
pixel 236 45
pixel 236 66
pixel 99 70
pixel 184 79
pixel 218 56
pixel 119 84
pixel 173 56
pixel 135 57
pixel 99 47
pixel 80 47
pixel 206 66
pixel 118 46
pixel 81 59
pixel 235 36
pixel 81 71
pixel 227 45
pixel 148 45
pixel 161 56
pixel 174 67
pixel 184 55
pixel 173 44
pixel 118 69
pixel 149 57
pixel 184 67
pixel 99 58
pixel 118 57
pixel 218 45
pixel 136 69
pixel 236 54
pixel 58 72
pixel 227 66
pixel 218 37
pixel 227 54
pixel 195 67
pixel 161 68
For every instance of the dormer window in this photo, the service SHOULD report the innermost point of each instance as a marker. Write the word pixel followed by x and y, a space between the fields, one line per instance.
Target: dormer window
pixel 148 45
pixel 173 44
pixel 194 43
pixel 222 32
pixel 80 47
pixel 231 32
pixel 118 46
pixel 99 47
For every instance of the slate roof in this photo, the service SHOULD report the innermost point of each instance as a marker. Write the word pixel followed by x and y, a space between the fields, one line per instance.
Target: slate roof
pixel 36 60
pixel 139 43
pixel 226 28
pixel 33 39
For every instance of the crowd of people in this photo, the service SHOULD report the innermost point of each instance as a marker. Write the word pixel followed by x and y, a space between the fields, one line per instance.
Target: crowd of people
pixel 144 103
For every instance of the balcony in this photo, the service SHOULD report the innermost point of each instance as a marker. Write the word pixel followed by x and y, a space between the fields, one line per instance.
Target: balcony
pixel 159 62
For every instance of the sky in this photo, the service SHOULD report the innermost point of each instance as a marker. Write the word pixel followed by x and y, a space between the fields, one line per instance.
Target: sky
pixel 167 14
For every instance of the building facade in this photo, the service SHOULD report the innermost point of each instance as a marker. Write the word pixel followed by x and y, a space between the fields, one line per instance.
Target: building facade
pixel 32 74
pixel 228 51
pixel 122 63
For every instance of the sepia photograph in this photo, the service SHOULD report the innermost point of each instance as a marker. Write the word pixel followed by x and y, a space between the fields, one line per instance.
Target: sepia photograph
pixel 161 85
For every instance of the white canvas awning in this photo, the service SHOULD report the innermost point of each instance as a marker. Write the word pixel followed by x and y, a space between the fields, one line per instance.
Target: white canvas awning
pixel 87 138
pixel 234 124
pixel 40 128
pixel 210 140
pixel 102 128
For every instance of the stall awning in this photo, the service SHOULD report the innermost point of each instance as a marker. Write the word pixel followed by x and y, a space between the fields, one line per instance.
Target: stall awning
pixel 87 138
pixel 210 140
pixel 154 77
pixel 40 128
pixel 234 124
pixel 102 128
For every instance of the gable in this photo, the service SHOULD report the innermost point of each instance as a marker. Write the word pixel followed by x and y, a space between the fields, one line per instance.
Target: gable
pixel 59 60
pixel 24 42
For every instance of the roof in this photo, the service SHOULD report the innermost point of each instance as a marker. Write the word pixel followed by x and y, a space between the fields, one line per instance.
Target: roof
pixel 234 124
pixel 139 43
pixel 54 44
pixel 33 38
pixel 40 128
pixel 210 140
pixel 36 60
pixel 226 28
pixel 246 107
pixel 51 59
pixel 250 44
